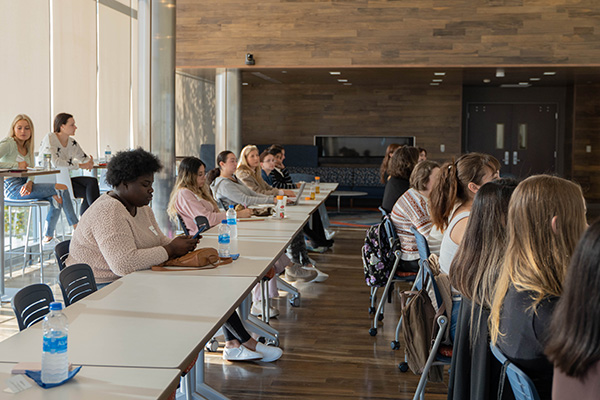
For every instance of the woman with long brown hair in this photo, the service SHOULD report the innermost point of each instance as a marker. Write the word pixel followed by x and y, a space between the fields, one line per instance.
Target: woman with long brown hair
pixel 383 169
pixel 546 218
pixel 400 167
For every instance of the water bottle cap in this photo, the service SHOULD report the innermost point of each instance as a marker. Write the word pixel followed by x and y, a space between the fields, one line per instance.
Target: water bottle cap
pixel 230 206
pixel 224 221
pixel 56 306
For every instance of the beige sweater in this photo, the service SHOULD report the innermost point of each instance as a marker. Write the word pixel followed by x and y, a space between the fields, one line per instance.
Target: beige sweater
pixel 258 185
pixel 114 243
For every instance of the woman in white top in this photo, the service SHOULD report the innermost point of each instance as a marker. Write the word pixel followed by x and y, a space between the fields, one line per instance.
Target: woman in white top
pixel 451 200
pixel 412 209
pixel 66 152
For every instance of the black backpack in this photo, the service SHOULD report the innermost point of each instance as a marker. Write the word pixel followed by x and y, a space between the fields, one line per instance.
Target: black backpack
pixel 378 252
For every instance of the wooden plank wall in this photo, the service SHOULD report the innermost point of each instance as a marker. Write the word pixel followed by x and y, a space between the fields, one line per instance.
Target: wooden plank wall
pixel 218 33
pixel 294 113
pixel 586 166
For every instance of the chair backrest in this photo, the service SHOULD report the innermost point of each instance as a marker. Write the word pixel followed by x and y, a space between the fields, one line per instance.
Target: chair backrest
pixel 76 282
pixel 31 304
pixel 521 384
pixel 422 244
pixel 184 228
pixel 61 251
pixel 383 212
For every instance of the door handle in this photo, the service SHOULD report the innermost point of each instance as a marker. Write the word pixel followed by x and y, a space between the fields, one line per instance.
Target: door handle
pixel 506 159
pixel 515 158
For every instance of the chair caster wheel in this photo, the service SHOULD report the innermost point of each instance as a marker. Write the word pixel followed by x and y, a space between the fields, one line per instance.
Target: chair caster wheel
pixel 373 331
pixel 395 345
pixel 295 301
pixel 380 317
pixel 273 342
pixel 371 310
pixel 403 366
pixel 212 345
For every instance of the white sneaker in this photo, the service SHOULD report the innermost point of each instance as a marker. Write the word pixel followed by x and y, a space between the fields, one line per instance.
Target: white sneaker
pixel 50 244
pixel 241 354
pixel 329 234
pixel 321 276
pixel 269 353
pixel 257 310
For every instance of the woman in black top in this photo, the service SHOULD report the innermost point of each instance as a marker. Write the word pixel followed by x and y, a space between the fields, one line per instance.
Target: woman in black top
pixel 401 166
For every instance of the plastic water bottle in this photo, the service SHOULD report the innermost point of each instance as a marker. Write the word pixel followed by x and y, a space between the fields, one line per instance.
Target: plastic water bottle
pixel 55 361
pixel 107 154
pixel 280 207
pixel 232 223
pixel 224 240
pixel 317 184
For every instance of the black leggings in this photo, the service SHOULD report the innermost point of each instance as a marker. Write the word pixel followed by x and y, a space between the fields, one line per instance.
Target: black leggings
pixel 233 329
pixel 316 235
pixel 86 188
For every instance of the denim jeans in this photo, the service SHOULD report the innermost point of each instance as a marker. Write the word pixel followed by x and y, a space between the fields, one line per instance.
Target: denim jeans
pixel 43 191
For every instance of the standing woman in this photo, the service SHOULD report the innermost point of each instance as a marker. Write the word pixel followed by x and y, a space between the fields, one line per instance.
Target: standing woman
pixel 16 152
pixel 66 152
pixel 383 169
pixel 401 165
pixel 546 218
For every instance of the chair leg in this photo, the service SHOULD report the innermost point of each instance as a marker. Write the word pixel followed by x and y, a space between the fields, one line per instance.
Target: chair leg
pixel 26 246
pixel 385 293
pixel 10 239
pixel 41 246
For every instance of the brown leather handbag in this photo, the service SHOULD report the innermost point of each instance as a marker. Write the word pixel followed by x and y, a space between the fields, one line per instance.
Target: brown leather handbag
pixel 205 258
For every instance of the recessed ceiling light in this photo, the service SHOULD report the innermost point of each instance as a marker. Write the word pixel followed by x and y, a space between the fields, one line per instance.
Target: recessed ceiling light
pixel 534 79
pixel 434 84
pixel 342 80
pixel 439 73
pixel 550 73
pixel 437 80
pixel 334 73
pixel 486 81
pixel 284 72
pixel 524 83
pixel 499 72
pixel 245 84
pixel 347 84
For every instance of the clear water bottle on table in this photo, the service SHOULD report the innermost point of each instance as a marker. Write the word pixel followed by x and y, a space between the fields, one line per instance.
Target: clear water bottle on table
pixel 224 240
pixel 232 223
pixel 107 154
pixel 55 361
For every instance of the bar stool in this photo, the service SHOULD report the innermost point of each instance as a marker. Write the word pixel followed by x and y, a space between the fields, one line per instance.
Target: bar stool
pixel 36 205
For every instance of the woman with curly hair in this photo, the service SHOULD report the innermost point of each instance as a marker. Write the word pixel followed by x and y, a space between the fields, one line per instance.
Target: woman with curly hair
pixel 383 168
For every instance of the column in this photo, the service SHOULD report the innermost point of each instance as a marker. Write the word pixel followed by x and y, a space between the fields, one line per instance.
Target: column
pixel 228 127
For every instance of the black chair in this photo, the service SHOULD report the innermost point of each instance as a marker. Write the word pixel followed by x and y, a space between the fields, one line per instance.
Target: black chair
pixel 31 304
pixel 61 251
pixel 184 228
pixel 76 282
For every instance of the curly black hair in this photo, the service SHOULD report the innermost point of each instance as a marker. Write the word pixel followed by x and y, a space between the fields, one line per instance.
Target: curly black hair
pixel 127 166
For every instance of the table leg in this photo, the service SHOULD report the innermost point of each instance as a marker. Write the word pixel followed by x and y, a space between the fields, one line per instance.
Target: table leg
pixel 339 197
pixel 201 389
pixel 2 288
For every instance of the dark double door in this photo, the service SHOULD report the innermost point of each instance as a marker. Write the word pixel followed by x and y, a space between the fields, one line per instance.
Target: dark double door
pixel 522 137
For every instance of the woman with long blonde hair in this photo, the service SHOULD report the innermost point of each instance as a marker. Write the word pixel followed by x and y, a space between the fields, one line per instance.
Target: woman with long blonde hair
pixel 546 218
pixel 248 171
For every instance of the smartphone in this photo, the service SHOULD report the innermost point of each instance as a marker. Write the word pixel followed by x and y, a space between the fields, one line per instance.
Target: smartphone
pixel 200 230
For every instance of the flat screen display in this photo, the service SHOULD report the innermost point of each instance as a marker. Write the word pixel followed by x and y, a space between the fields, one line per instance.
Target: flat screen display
pixel 358 146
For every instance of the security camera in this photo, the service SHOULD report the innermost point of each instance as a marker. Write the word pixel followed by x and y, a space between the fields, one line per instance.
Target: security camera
pixel 249 59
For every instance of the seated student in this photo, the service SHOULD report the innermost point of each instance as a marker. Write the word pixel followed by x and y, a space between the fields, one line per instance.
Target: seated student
pixel 574 339
pixel 412 209
pixel 16 151
pixel 546 218
pixel 384 174
pixel 422 154
pixel 119 235
pixel 401 165
pixel 191 197
pixel 319 239
pixel 66 152
pixel 474 374
pixel 248 171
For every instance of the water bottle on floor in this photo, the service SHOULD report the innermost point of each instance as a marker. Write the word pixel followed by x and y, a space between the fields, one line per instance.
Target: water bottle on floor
pixel 224 240
pixel 55 361
pixel 232 223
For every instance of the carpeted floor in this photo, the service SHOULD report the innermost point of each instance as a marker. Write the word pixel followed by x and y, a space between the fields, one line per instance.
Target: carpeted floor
pixel 354 217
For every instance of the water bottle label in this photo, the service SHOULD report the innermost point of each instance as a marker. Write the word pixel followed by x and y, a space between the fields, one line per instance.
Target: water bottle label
pixel 224 239
pixel 231 221
pixel 54 345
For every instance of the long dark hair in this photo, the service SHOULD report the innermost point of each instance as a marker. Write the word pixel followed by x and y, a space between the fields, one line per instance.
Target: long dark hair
pixel 476 266
pixel 215 172
pixel 574 344
pixel 403 162
pixel 383 169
